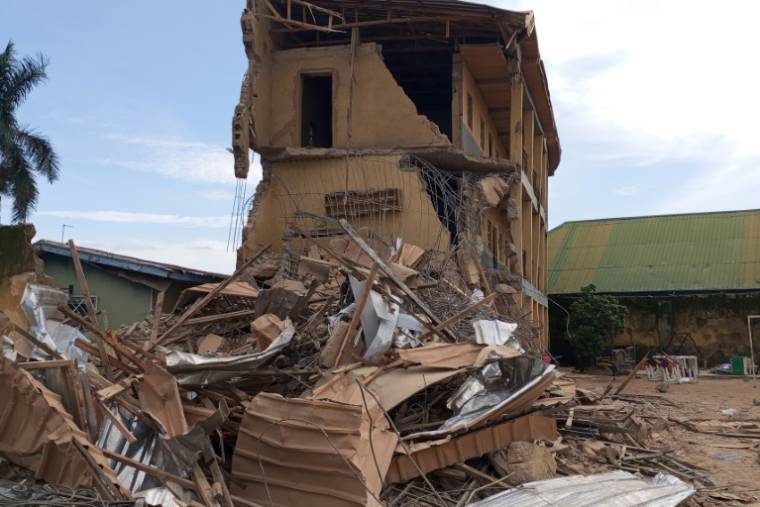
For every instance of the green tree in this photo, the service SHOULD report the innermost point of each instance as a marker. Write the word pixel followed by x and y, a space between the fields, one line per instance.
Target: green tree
pixel 594 320
pixel 23 152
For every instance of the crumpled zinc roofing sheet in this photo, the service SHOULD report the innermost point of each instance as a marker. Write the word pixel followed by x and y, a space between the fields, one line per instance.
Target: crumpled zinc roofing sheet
pixel 612 489
pixel 691 252
pixel 37 433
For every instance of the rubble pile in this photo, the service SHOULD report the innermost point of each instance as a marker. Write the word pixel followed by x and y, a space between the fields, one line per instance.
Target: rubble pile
pixel 356 374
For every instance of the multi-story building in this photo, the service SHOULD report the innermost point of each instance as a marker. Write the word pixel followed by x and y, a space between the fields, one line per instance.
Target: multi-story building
pixel 428 120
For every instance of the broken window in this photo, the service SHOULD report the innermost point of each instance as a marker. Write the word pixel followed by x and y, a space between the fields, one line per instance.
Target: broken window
pixel 316 111
pixel 355 203
pixel 469 111
pixel 78 303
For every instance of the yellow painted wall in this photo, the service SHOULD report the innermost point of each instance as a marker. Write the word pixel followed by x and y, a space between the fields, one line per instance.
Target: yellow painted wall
pixel 383 116
pixel 302 186
pixel 480 110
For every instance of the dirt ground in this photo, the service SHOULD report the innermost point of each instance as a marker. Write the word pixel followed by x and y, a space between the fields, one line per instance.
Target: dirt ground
pixel 730 461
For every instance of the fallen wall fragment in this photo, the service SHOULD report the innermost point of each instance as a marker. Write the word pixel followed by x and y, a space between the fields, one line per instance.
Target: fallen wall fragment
pixel 310 452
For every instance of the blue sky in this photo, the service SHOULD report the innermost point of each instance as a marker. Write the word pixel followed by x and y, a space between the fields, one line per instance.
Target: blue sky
pixel 655 104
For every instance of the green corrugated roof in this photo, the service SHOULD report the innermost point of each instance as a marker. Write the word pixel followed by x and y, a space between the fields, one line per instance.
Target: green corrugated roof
pixel 690 252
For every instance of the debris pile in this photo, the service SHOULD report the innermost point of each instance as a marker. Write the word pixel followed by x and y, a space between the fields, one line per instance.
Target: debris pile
pixel 351 374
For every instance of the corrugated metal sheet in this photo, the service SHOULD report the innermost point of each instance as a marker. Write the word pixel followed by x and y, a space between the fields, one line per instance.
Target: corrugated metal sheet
pixel 616 488
pixel 691 252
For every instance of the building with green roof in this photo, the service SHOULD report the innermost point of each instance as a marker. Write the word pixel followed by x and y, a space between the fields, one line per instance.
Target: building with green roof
pixel 690 278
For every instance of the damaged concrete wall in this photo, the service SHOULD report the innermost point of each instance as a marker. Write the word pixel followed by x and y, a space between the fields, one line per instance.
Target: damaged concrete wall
pixel 716 323
pixel 382 115
pixel 19 265
pixel 293 186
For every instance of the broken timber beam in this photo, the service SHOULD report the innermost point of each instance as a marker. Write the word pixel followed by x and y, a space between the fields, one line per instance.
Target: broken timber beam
pixel 201 303
pixel 37 343
pixel 356 238
pixel 361 301
pixel 632 374
pixel 92 314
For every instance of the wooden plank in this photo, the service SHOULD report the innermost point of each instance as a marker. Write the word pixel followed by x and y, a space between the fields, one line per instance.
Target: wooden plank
pixel 84 288
pixel 207 319
pixel 361 301
pixel 37 343
pixel 75 382
pixel 203 487
pixel 115 420
pixel 300 24
pixel 102 484
pixel 148 469
pixel 103 337
pixel 113 390
pixel 632 374
pixel 206 299
pixel 216 474
pixel 41 365
pixel 92 349
pixel 157 310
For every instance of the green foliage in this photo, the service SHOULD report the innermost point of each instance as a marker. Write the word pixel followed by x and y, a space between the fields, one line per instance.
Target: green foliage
pixel 594 320
pixel 23 152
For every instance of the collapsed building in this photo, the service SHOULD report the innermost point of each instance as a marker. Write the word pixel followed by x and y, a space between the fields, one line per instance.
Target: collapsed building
pixel 429 121
pixel 383 338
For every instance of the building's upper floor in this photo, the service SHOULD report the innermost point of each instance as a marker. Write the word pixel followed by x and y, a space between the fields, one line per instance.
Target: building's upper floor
pixel 395 74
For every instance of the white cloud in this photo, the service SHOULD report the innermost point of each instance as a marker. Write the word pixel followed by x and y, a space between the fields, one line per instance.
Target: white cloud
pixel 179 159
pixel 217 195
pixel 640 83
pixel 729 187
pixel 629 190
pixel 215 222
pixel 201 254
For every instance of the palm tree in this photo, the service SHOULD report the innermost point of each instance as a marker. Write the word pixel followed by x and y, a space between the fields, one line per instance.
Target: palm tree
pixel 23 151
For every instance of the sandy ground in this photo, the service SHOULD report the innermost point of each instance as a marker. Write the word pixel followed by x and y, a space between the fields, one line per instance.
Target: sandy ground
pixel 730 461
